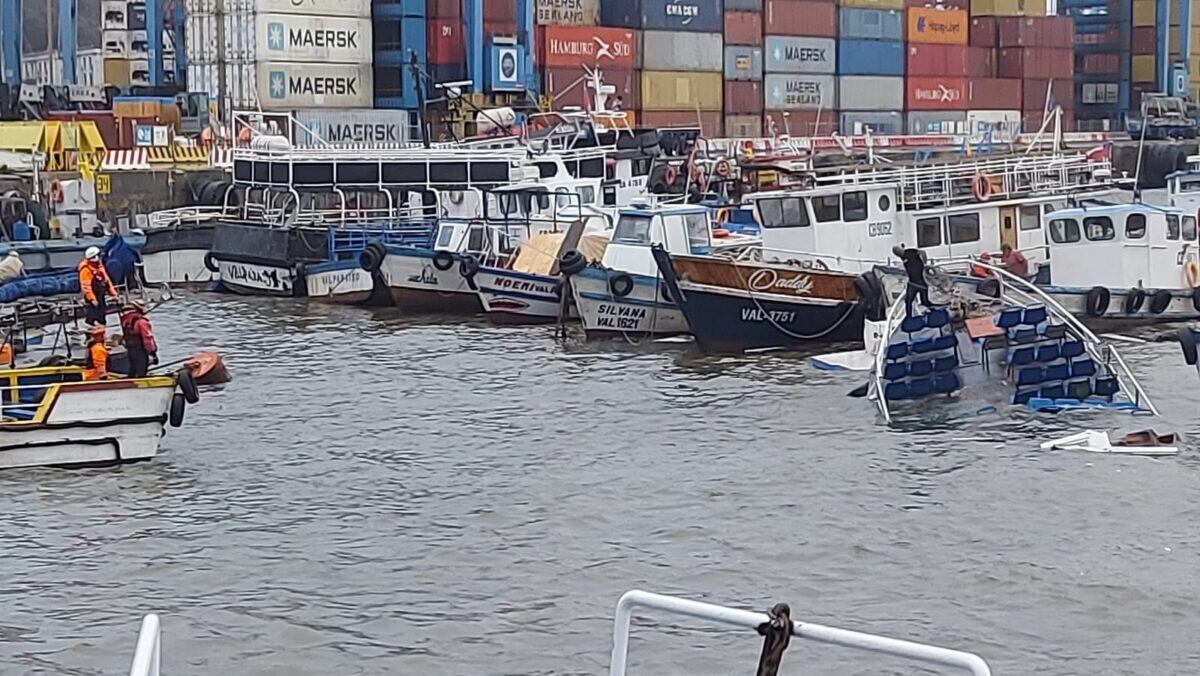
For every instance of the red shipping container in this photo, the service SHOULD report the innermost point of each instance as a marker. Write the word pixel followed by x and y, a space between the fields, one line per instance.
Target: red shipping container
pixel 490 28
pixel 1035 63
pixel 981 62
pixel 500 11
pixel 983 31
pixel 994 94
pixel 801 123
pixel 710 121
pixel 1100 63
pixel 1019 31
pixel 566 87
pixel 942 4
pixel 105 122
pixel 743 98
pixel 443 9
pixel 444 42
pixel 801 17
pixel 1033 94
pixel 935 93
pixel 577 46
pixel 743 28
pixel 925 59
pixel 1144 40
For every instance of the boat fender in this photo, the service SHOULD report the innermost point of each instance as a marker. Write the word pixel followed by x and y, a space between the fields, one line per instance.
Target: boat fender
pixel 211 263
pixel 1134 300
pixel 371 258
pixel 1160 301
pixel 989 288
pixel 621 285
pixel 1191 273
pixel 443 260
pixel 664 292
pixel 1187 341
pixel 298 272
pixel 468 266
pixel 1196 299
pixel 571 263
pixel 1097 301
pixel 178 406
pixel 187 385
pixel 723 169
pixel 870 296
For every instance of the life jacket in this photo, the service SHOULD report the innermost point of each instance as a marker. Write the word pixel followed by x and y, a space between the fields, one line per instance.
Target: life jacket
pixel 136 328
pixel 96 362
pixel 94 282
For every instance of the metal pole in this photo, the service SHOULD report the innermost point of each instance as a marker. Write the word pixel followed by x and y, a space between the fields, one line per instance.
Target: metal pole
pixel 68 32
pixel 10 28
pixel 147 656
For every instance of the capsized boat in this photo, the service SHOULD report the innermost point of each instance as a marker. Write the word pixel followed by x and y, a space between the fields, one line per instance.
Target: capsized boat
pixel 52 416
pixel 1017 347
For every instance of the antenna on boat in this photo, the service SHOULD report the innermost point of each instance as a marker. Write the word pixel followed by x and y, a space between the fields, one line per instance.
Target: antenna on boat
pixel 422 118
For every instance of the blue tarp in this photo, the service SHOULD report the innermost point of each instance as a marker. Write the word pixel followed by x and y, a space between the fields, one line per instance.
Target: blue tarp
pixel 119 259
pixel 52 283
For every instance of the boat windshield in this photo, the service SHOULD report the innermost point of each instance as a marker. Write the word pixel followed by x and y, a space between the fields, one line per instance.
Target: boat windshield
pixel 633 230
pixel 698 233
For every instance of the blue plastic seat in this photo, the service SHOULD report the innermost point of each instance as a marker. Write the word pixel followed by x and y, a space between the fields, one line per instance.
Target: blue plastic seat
pixel 948 342
pixel 1009 318
pixel 945 364
pixel 912 323
pixel 1023 396
pixel 1083 368
pixel 1106 387
pixel 1047 353
pixel 1030 375
pixel 921 346
pixel 938 318
pixel 896 351
pixel 1024 335
pixel 1056 372
pixel 1071 349
pixel 1022 356
pixel 1054 391
pixel 920 368
pixel 894 371
pixel 946 383
pixel 896 391
pixel 920 387
pixel 1054 331
pixel 1079 389
pixel 1032 316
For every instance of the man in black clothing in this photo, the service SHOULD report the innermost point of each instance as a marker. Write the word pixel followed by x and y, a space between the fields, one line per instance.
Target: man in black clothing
pixel 917 287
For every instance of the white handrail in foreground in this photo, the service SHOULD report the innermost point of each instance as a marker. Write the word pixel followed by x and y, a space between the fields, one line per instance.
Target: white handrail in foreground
pixel 146 657
pixel 746 619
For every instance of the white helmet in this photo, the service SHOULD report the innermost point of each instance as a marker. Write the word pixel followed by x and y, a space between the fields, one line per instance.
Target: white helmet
pixel 92 253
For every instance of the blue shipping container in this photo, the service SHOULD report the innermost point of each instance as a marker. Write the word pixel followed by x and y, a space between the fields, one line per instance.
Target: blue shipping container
pixel 700 16
pixel 410 8
pixel 870 24
pixel 395 85
pixel 870 57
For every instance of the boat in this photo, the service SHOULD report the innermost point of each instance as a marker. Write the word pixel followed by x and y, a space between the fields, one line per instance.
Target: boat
pixel 52 416
pixel 1015 347
pixel 177 242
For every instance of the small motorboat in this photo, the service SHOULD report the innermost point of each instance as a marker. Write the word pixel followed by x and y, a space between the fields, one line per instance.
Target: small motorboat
pixel 207 368
pixel 1146 442
pixel 52 416
pixel 1012 346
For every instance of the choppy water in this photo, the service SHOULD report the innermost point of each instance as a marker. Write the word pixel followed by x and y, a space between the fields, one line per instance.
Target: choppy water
pixel 376 495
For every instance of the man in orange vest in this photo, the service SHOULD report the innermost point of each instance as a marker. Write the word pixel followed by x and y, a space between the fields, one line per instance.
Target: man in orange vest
pixel 96 286
pixel 97 355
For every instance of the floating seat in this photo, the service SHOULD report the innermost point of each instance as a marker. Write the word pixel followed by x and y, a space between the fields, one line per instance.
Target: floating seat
pixel 945 342
pixel 1106 387
pixel 1056 372
pixel 1025 336
pixel 945 364
pixel 1009 318
pixel 1047 353
pixel 1030 375
pixel 896 351
pixel 936 319
pixel 946 383
pixel 920 368
pixel 1022 356
pixel 1079 389
pixel 1071 349
pixel 894 371
pixel 920 387
pixel 912 324
pixel 1023 396
pixel 921 346
pixel 896 391
pixel 1053 392
pixel 1032 316
pixel 1083 368
pixel 1054 331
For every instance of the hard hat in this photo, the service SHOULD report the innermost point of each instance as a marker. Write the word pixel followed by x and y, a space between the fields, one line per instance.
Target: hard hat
pixel 92 253
pixel 136 304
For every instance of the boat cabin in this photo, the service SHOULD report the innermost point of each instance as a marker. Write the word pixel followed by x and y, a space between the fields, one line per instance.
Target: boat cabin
pixel 678 229
pixel 1121 246
pixel 1183 189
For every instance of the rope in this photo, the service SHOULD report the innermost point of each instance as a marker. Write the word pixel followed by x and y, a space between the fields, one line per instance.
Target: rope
pixel 777 325
pixel 777 635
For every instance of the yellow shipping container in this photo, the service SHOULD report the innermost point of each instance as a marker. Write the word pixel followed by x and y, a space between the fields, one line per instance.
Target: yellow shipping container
pixel 116 72
pixel 673 90
pixel 1195 13
pixel 1008 7
pixel 1142 68
pixel 1143 12
pixel 937 26
pixel 873 4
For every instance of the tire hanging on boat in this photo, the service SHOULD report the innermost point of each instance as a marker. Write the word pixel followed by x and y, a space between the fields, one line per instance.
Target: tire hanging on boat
pixel 621 285
pixel 1134 300
pixel 178 407
pixel 1187 341
pixel 989 287
pixel 468 266
pixel 187 386
pixel 1196 299
pixel 371 258
pixel 1097 301
pixel 571 263
pixel 1160 301
pixel 211 263
pixel 443 260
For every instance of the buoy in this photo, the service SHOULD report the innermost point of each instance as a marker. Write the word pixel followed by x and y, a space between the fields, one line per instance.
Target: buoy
pixel 207 368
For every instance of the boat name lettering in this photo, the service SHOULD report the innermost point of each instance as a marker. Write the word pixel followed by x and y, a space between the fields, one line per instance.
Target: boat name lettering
pixel 766 279
pixel 523 285
pixel 621 317
pixel 333 281
pixel 426 277
pixel 879 229
pixel 267 278
pixel 754 314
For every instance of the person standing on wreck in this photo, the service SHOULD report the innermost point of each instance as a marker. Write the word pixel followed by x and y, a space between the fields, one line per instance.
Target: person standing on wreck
pixel 96 286
pixel 139 339
pixel 917 286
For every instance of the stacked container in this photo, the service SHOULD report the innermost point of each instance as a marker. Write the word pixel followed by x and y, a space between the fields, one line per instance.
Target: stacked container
pixel 936 85
pixel 1034 50
pixel 743 68
pixel 799 61
pixel 682 56
pixel 870 66
pixel 400 32
pixel 445 44
pixel 565 50
pixel 124 42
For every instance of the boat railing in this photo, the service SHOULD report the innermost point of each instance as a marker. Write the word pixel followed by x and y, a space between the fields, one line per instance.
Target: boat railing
pixel 890 324
pixel 750 620
pixel 183 216
pixel 147 657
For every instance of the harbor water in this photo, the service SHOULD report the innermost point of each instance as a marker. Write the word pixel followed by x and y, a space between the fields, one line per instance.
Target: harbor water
pixel 378 494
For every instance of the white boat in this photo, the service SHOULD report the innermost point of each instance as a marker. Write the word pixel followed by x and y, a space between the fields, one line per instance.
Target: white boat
pixel 51 416
pixel 177 246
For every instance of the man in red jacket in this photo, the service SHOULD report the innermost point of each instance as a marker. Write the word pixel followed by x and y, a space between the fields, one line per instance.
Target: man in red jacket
pixel 139 339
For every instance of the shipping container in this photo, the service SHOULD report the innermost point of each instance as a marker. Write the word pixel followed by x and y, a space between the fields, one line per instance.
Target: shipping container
pixel 743 98
pixel 342 127
pixel 1144 40
pixel 744 5
pixel 443 9
pixel 964 5
pixel 995 121
pixel 800 92
pixel 567 12
pixel 855 23
pixel 800 122
pixel 1034 92
pixel 1035 62
pixel 870 57
pixel 935 93
pixel 1144 12
pixel 935 60
pixel 981 62
pixel 709 121
pixel 878 122
pixel 946 122
pixel 591 46
pixel 870 93
pixel 678 50
pixel 295 37
pixel 444 42
pixel 743 28
pixel 1008 7
pixel 89 68
pixel 743 63
pixel 116 72
pixel 1100 63
pixel 983 32
pixel 317 8
pixel 873 4
pixel 1101 93
pixel 500 11
pixel 994 93
pixel 743 126
pixel 940 26
pixel 800 17
pixel 800 55
pixel 674 90
pixel 1049 31
pixel 314 85
pixel 701 16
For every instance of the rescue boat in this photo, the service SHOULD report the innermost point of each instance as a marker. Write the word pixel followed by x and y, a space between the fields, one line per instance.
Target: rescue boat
pixel 52 416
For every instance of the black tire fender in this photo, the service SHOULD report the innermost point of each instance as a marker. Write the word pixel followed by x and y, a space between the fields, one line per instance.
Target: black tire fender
pixel 1160 301
pixel 187 386
pixel 468 266
pixel 178 408
pixel 1187 341
pixel 990 287
pixel 1134 301
pixel 210 262
pixel 621 285
pixel 443 260
pixel 1196 299
pixel 1098 299
pixel 371 258
pixel 571 263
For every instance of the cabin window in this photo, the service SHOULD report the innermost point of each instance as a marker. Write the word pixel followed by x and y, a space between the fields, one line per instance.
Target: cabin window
pixel 827 208
pixel 770 212
pixel 587 194
pixel 854 206
pixel 929 232
pixel 508 203
pixel 697 232
pixel 794 213
pixel 1172 226
pixel 963 228
pixel 1099 228
pixel 885 203
pixel 562 198
pixel 543 200
pixel 1135 226
pixel 445 234
pixel 1189 229
pixel 1064 231
pixel 632 230
pixel 1031 218
pixel 476 238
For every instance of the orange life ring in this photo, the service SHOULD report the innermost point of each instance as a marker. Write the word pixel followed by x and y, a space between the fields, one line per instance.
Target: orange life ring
pixel 981 186
pixel 56 192
pixel 722 216
pixel 723 169
pixel 1191 273
pixel 671 175
pixel 720 232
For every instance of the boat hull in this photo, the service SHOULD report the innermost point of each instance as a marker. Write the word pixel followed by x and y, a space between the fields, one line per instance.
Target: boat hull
pixel 177 267
pixel 644 311
pixel 1074 300
pixel 254 279
pixel 417 285
pixel 344 283
pixel 510 297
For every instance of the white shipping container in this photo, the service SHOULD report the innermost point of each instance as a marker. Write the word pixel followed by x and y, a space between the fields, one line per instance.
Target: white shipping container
pixel 980 121
pixel 283 86
pixel 42 69
pixel 240 86
pixel 89 68
pixel 350 127
pixel 870 93
pixel 567 12
pixel 294 38
pixel 681 50
pixel 352 8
